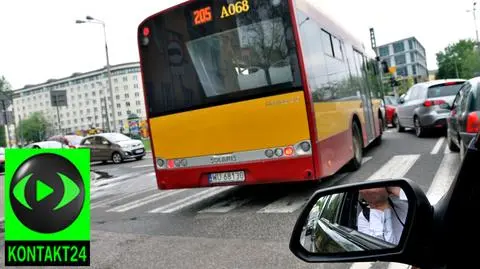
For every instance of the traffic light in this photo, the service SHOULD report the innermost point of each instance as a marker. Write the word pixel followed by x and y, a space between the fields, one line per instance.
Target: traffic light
pixel 385 67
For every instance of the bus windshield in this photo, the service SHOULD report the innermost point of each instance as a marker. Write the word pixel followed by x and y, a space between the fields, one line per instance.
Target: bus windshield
pixel 208 53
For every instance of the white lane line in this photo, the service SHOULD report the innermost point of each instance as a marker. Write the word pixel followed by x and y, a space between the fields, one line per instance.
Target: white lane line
pixel 144 201
pixel 225 206
pixel 366 159
pixel 117 198
pixel 443 178
pixel 142 166
pixel 396 167
pixel 437 146
pixel 286 204
pixel 361 265
pixel 190 200
pixel 447 150
pixel 395 265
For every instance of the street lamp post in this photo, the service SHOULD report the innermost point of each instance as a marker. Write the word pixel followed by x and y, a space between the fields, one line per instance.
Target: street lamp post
pixel 474 12
pixel 90 19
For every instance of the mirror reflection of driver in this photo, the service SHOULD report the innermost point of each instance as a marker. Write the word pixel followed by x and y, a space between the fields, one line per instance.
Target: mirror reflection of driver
pixel 384 214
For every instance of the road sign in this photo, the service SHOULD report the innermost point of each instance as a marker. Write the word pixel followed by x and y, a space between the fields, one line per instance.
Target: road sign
pixel 58 98
pixel 392 69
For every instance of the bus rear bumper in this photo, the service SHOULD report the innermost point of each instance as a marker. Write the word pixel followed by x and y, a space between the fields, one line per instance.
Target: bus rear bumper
pixel 261 172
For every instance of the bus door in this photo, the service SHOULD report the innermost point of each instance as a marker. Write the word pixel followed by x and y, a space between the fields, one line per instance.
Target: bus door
pixel 365 96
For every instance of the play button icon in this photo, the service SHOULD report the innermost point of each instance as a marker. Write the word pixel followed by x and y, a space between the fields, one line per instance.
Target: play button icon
pixel 47 187
pixel 43 190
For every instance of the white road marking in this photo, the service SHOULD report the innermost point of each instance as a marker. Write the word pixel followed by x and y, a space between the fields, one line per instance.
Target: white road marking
pixel 142 166
pixel 396 167
pixel 444 177
pixel 395 265
pixel 225 206
pixel 190 200
pixel 366 159
pixel 1 219
pixel 437 146
pixel 361 265
pixel 286 204
pixel 447 150
pixel 117 198
pixel 144 201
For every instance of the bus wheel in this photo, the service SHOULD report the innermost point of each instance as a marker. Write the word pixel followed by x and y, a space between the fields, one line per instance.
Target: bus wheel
pixel 356 162
pixel 378 140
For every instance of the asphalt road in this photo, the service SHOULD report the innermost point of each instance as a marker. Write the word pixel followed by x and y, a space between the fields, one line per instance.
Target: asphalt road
pixel 134 225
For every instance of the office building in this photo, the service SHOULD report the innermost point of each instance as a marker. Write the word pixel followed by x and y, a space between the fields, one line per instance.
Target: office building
pixel 88 99
pixel 408 56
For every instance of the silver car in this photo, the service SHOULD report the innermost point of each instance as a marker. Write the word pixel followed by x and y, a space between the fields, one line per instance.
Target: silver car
pixel 426 105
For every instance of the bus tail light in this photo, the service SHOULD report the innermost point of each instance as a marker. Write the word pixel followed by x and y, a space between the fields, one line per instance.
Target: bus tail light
pixel 473 123
pixel 288 151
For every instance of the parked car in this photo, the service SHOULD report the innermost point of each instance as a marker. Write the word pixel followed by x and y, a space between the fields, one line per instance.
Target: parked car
pixel 426 105
pixel 46 145
pixel 464 119
pixel 113 147
pixel 2 160
pixel 390 107
pixel 70 141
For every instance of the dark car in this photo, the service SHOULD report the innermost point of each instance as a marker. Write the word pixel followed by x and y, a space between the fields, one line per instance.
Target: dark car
pixel 114 147
pixel 426 105
pixel 464 119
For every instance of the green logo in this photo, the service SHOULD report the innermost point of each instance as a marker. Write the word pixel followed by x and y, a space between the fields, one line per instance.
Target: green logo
pixel 47 207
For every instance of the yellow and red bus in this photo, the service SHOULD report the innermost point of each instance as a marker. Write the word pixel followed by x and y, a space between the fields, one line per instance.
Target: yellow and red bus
pixel 255 91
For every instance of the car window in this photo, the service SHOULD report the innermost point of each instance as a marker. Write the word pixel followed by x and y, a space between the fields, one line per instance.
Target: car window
pixel 476 98
pixel 390 100
pixel 409 93
pixel 114 137
pixel 464 94
pixel 330 211
pixel 443 90
pixel 89 141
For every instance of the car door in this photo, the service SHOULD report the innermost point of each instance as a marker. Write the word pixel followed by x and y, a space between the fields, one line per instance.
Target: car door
pixel 464 108
pixel 103 147
pixel 90 144
pixel 452 120
pixel 406 114
pixel 401 108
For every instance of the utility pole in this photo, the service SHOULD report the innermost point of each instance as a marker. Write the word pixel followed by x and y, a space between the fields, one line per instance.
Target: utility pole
pixel 106 112
pixel 373 42
pixel 58 115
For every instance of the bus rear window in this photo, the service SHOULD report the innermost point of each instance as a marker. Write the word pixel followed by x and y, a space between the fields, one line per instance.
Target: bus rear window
pixel 444 90
pixel 201 54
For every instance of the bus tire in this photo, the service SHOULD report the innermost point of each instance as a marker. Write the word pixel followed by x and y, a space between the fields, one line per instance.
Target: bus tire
pixel 357 145
pixel 378 140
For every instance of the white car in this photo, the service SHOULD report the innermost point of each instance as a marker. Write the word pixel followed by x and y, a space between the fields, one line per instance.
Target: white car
pixel 46 145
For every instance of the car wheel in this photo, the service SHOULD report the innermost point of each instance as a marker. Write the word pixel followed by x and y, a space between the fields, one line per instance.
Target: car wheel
pixel 396 121
pixel 419 130
pixel 356 162
pixel 117 158
pixel 451 145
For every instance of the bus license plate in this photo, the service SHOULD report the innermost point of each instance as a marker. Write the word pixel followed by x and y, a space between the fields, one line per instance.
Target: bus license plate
pixel 237 176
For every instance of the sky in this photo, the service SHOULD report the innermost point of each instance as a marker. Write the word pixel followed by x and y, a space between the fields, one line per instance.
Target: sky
pixel 39 40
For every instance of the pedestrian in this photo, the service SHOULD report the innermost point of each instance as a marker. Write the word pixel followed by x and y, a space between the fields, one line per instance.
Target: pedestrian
pixel 384 213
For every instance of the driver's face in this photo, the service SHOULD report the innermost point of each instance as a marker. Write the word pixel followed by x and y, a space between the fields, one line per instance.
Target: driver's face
pixel 375 195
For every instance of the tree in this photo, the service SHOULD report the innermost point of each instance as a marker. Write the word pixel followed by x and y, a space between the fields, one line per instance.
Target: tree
pixel 5 94
pixel 34 128
pixel 461 56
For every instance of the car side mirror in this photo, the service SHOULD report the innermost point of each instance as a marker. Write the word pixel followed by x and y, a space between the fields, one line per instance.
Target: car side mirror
pixel 401 100
pixel 345 224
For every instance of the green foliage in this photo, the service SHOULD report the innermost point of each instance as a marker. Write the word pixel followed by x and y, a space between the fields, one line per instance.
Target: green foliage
pixel 34 128
pixel 462 56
